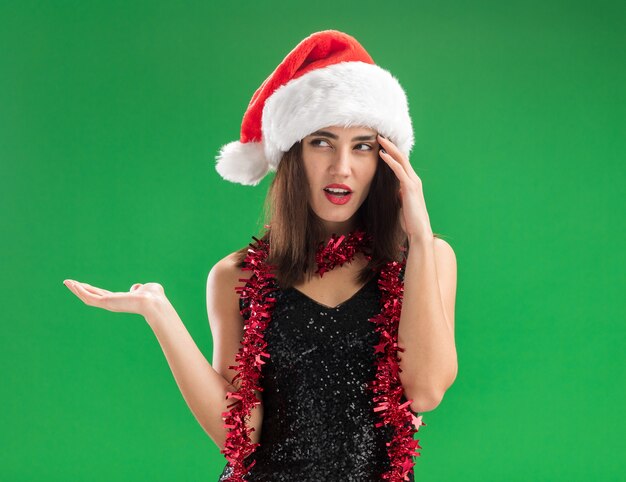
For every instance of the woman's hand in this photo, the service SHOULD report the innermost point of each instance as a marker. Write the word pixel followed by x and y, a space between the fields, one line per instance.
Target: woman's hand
pixel 142 299
pixel 413 215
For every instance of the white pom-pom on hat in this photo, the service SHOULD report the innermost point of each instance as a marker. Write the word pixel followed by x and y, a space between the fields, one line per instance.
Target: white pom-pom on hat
pixel 242 163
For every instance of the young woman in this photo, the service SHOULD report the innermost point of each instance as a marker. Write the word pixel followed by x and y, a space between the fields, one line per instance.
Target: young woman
pixel 335 327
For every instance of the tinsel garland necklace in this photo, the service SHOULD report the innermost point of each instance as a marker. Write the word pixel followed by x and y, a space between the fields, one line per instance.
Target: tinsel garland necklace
pixel 386 387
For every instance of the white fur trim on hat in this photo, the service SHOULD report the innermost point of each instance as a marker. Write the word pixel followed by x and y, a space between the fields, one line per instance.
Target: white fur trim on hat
pixel 343 94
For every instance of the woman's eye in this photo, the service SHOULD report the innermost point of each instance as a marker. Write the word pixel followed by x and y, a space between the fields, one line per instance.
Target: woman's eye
pixel 314 142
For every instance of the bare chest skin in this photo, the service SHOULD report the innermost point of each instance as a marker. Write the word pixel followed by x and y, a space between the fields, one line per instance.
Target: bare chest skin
pixel 336 286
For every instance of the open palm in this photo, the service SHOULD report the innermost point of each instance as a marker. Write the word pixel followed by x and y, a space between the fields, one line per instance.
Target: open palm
pixel 139 299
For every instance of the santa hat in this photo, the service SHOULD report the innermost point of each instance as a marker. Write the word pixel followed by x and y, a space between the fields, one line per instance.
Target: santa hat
pixel 328 79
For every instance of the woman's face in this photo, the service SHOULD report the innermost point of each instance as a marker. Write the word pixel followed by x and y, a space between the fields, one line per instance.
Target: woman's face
pixel 346 156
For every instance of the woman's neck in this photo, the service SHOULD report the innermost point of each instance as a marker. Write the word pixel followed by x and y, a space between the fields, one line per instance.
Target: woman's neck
pixel 338 229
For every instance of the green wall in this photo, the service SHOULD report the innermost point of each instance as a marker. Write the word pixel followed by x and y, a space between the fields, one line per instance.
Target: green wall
pixel 111 114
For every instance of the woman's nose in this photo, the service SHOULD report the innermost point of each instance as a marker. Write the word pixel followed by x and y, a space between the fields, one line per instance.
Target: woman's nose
pixel 342 163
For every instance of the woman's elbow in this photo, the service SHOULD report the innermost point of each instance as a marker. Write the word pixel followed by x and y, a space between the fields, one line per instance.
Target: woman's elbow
pixel 426 404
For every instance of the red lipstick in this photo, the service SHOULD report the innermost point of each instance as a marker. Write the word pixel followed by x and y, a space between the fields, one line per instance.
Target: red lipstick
pixel 338 193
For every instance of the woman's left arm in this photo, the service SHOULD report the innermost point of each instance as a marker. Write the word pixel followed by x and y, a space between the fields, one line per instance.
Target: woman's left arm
pixel 426 331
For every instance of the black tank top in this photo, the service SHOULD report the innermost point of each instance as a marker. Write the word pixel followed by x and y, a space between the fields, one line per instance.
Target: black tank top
pixel 318 418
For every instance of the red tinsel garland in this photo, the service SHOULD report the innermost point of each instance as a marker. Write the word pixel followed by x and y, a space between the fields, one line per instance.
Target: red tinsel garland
pixel 386 387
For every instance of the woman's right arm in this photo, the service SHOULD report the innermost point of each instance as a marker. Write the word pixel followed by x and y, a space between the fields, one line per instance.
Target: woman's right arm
pixel 203 386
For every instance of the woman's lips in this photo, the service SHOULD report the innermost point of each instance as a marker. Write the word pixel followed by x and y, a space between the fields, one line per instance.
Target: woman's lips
pixel 337 199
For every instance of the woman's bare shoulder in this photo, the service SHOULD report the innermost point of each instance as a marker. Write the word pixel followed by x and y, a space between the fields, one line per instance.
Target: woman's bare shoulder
pixel 230 268
pixel 221 293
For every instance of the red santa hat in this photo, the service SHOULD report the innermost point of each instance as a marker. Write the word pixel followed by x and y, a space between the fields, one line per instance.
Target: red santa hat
pixel 328 79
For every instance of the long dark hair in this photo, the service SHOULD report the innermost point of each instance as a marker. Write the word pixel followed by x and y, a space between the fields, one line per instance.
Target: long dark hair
pixel 295 231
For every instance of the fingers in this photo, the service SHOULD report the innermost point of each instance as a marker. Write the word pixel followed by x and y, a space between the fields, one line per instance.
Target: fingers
pixel 91 295
pixel 393 153
pixel 87 293
pixel 396 167
pixel 390 147
pixel 87 287
pixel 94 289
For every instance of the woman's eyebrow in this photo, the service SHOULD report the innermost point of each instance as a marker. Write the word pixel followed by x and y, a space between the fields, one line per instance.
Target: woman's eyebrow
pixel 334 136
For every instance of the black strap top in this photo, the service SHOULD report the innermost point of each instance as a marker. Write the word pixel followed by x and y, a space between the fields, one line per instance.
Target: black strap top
pixel 318 418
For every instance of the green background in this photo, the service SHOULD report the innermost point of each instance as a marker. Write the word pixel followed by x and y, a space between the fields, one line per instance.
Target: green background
pixel 111 114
